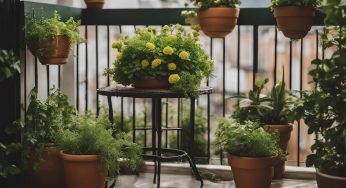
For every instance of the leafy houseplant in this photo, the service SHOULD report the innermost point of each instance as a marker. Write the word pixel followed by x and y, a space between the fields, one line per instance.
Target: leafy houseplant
pixel 89 150
pixel 151 60
pixel 252 152
pixel 216 18
pixel 323 109
pixel 294 17
pixel 51 39
pixel 9 64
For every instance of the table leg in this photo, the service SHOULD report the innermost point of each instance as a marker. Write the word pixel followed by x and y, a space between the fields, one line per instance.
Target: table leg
pixel 159 135
pixel 192 129
pixel 110 109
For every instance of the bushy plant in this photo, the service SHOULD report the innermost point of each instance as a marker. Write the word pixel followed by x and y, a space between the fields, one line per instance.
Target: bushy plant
pixel 7 165
pixel 300 3
pixel 172 54
pixel 248 140
pixel 9 64
pixel 204 4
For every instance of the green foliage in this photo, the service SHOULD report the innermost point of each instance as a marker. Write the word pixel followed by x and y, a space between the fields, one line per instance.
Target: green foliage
pixel 323 109
pixel 248 140
pixel 7 166
pixel 173 54
pixel 300 3
pixel 9 64
pixel 41 31
pixel 204 4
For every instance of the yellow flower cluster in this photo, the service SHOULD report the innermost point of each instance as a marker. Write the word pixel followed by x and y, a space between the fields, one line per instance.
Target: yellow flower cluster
pixel 168 50
pixel 155 63
pixel 172 66
pixel 184 55
pixel 116 44
pixel 172 37
pixel 173 78
pixel 119 56
pixel 145 63
pixel 150 45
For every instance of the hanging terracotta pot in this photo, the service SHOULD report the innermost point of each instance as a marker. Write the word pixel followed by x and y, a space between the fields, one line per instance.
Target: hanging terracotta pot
pixel 152 84
pixel 325 180
pixel 84 171
pixel 250 172
pixel 294 22
pixel 94 3
pixel 284 137
pixel 218 22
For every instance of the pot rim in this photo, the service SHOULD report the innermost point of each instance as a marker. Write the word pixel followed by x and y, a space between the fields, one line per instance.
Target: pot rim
pixel 329 176
pixel 79 158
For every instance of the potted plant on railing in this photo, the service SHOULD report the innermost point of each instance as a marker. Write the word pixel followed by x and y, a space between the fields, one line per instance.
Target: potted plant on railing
pixel 294 17
pixel 94 3
pixel 172 58
pixel 252 152
pixel 90 151
pixel 274 112
pixel 323 109
pixel 51 39
pixel 216 18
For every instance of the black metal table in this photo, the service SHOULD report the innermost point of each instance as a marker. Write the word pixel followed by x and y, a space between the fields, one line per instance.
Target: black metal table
pixel 157 95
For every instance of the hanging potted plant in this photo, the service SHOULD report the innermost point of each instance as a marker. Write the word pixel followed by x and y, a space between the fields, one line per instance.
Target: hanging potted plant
pixel 94 3
pixel 294 17
pixel 172 58
pixel 274 112
pixel 252 152
pixel 51 39
pixel 323 109
pixel 216 18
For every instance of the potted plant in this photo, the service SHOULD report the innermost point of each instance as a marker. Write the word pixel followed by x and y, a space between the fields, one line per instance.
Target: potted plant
pixel 216 18
pixel 9 64
pixel 294 17
pixel 94 3
pixel 323 109
pixel 252 152
pixel 51 39
pixel 89 151
pixel 274 112
pixel 40 155
pixel 155 60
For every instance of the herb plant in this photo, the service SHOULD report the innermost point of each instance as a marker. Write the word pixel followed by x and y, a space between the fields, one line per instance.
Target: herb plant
pixel 300 3
pixel 172 54
pixel 9 64
pixel 205 4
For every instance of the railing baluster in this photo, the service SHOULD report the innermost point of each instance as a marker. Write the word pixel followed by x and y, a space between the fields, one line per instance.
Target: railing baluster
pixel 255 54
pixel 48 81
pixel 77 78
pixel 86 68
pixel 275 54
pixel 59 76
pixel 97 71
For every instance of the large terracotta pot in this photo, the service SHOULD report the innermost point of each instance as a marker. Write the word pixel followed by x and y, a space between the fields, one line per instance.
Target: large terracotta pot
pixel 95 3
pixel 329 181
pixel 218 22
pixel 284 137
pixel 45 169
pixel 56 54
pixel 295 22
pixel 252 172
pixel 83 171
pixel 152 84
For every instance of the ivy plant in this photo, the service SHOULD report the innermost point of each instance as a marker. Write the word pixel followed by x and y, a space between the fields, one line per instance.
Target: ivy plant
pixel 9 64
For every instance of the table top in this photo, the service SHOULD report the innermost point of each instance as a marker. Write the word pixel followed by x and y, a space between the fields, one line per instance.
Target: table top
pixel 122 91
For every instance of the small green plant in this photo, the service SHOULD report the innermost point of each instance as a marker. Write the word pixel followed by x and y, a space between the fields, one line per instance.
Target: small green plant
pixel 248 140
pixel 300 3
pixel 205 4
pixel 173 54
pixel 9 64
pixel 7 165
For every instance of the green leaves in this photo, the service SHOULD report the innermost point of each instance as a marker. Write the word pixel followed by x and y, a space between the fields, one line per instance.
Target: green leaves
pixel 302 3
pixel 204 4
pixel 9 64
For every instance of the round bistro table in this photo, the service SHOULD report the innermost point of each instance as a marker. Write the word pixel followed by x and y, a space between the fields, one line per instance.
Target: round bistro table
pixel 157 151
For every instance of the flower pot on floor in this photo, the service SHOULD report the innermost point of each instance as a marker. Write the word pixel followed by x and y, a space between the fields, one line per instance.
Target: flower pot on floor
pixel 284 137
pixel 218 22
pixel 83 171
pixel 152 84
pixel 294 22
pixel 325 180
pixel 94 3
pixel 252 172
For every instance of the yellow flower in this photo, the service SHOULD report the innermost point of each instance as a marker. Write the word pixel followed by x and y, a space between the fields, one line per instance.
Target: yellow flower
pixel 173 78
pixel 150 45
pixel 155 63
pixel 172 66
pixel 119 56
pixel 116 44
pixel 168 50
pixel 172 37
pixel 145 63
pixel 184 55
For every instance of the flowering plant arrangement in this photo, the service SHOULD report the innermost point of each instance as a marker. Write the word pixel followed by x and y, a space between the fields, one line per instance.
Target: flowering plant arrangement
pixel 174 55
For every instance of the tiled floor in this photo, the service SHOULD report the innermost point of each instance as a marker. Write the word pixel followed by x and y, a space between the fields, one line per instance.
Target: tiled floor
pixel 183 181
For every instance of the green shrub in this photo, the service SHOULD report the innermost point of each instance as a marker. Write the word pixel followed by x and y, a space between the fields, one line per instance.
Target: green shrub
pixel 300 3
pixel 9 64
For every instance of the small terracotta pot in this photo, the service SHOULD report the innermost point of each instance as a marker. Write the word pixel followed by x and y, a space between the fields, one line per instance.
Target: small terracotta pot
pixel 294 22
pixel 45 169
pixel 218 22
pixel 329 181
pixel 152 84
pixel 284 137
pixel 94 3
pixel 83 171
pixel 251 172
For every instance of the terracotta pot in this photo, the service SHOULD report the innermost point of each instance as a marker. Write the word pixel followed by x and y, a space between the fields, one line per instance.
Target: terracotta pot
pixel 152 84
pixel 284 137
pixel 56 54
pixel 94 3
pixel 218 22
pixel 329 181
pixel 252 172
pixel 295 22
pixel 46 169
pixel 83 171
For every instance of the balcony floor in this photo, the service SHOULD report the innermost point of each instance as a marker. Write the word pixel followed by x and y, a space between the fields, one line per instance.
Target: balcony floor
pixel 184 181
